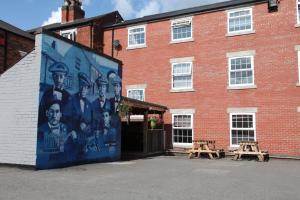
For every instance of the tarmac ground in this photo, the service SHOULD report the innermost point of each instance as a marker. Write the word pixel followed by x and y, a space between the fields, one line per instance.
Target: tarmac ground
pixel 163 177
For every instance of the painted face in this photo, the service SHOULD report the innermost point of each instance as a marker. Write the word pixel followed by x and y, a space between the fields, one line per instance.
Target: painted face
pixel 84 89
pixel 102 90
pixel 117 89
pixel 106 119
pixel 54 114
pixel 58 79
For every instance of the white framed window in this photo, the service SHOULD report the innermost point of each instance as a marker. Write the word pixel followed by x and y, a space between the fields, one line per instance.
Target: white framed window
pixel 181 29
pixel 137 36
pixel 240 20
pixel 241 71
pixel 70 34
pixel 182 75
pixel 182 128
pixel 138 94
pixel 298 11
pixel 242 128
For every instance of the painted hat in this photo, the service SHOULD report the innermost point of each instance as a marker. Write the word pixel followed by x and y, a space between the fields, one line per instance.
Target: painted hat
pixel 59 67
pixel 116 80
pixel 101 80
pixel 84 79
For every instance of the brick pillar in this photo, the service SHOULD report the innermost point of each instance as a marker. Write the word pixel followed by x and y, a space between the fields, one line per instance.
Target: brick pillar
pixel 71 10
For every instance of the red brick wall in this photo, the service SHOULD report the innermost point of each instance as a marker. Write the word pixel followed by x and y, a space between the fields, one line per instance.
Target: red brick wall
pixel 275 68
pixel 83 36
pixel 15 44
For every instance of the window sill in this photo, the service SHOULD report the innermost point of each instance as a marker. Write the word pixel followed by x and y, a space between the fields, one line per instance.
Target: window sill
pixel 179 145
pixel 182 41
pixel 136 47
pixel 297 25
pixel 297 84
pixel 181 90
pixel 240 33
pixel 241 87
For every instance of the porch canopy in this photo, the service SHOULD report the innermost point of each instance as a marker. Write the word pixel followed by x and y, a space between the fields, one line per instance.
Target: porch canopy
pixel 153 138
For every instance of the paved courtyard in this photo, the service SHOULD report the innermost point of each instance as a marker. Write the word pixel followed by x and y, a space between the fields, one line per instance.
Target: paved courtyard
pixel 157 178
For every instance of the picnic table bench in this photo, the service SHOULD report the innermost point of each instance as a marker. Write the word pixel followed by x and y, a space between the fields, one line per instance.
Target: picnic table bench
pixel 205 147
pixel 250 148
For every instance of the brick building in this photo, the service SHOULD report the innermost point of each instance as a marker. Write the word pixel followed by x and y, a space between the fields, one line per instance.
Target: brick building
pixel 228 71
pixel 14 44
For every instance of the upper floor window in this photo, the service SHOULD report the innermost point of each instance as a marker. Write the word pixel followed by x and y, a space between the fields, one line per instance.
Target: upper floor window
pixel 70 34
pixel 298 11
pixel 137 36
pixel 240 20
pixel 241 72
pixel 182 29
pixel 138 94
pixel 182 75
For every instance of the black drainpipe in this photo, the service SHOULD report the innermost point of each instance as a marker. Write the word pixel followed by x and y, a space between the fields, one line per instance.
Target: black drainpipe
pixel 5 51
pixel 112 42
pixel 91 35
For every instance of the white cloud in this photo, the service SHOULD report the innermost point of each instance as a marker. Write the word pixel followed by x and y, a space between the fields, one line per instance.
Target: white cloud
pixel 86 2
pixel 151 8
pixel 125 7
pixel 55 17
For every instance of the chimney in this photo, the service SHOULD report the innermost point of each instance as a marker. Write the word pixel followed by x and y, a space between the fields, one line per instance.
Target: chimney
pixel 71 10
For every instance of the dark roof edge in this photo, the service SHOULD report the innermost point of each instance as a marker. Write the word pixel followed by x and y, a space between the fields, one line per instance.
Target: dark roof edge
pixel 15 30
pixel 145 103
pixel 199 9
pixel 50 33
pixel 76 23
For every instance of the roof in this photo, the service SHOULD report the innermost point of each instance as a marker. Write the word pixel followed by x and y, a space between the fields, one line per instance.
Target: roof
pixel 53 34
pixel 199 9
pixel 142 105
pixel 8 27
pixel 76 23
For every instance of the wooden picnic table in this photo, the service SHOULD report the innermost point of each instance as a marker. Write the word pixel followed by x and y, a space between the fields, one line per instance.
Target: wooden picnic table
pixel 250 148
pixel 205 147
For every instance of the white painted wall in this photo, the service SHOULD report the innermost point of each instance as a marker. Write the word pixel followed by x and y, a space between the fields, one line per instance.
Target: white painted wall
pixel 19 95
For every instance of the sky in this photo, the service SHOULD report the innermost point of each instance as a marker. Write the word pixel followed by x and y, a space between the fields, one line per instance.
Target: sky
pixel 27 14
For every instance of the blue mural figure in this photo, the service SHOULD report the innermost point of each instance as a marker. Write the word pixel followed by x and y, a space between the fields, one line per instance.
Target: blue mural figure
pixel 82 113
pixel 114 102
pixel 54 139
pixel 57 92
pixel 109 132
pixel 100 103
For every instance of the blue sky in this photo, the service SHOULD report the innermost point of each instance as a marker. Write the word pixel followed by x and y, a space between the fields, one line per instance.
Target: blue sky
pixel 27 14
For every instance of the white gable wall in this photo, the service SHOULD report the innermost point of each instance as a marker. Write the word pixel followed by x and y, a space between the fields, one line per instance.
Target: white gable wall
pixel 19 97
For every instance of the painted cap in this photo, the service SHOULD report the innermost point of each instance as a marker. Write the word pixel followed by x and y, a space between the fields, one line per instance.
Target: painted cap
pixel 101 80
pixel 84 79
pixel 116 80
pixel 59 67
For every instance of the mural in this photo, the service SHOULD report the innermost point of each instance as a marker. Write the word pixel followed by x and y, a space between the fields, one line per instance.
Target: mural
pixel 79 95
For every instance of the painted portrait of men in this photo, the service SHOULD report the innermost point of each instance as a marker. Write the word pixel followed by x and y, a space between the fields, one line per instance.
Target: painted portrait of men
pixel 57 92
pixel 53 135
pixel 116 82
pixel 100 103
pixel 82 111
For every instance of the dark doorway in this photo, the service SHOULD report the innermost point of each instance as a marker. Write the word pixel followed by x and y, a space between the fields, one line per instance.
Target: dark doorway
pixel 132 137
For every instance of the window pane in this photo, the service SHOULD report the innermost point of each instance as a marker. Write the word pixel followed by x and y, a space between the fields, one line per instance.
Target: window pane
pixel 182 31
pixel 182 129
pixel 136 36
pixel 241 71
pixel 240 21
pixel 136 94
pixel 242 126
